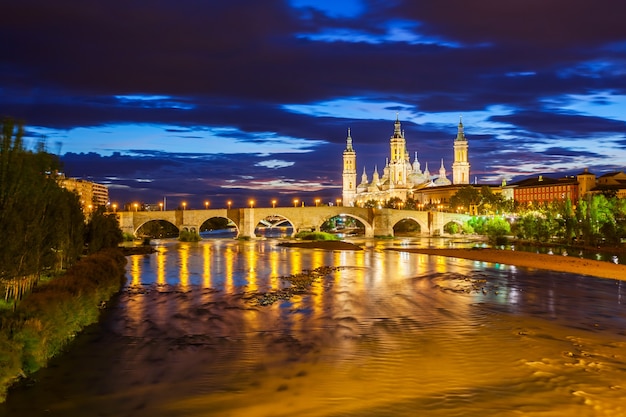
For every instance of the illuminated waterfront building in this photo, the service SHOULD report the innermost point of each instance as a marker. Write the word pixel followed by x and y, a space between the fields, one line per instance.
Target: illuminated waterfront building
pixel 543 189
pixel 400 178
pixel 91 194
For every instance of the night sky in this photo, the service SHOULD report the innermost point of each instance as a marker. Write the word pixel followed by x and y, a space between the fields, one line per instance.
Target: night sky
pixel 215 100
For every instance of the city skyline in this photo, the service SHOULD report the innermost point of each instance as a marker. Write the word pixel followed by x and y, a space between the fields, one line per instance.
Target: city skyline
pixel 231 101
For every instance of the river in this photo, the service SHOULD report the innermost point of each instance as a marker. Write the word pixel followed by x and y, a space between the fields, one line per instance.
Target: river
pixel 385 333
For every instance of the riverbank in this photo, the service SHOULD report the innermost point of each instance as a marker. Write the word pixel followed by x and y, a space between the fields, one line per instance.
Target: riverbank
pixel 557 263
pixel 48 318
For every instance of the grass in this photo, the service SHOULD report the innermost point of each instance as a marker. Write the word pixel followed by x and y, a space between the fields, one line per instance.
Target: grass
pixel 51 316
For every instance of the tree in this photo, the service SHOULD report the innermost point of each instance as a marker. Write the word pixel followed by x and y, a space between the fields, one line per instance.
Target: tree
pixel 371 203
pixel 466 197
pixel 496 228
pixel 394 202
pixel 102 231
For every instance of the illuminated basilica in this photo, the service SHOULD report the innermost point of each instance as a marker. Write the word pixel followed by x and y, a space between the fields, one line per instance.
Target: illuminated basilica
pixel 401 178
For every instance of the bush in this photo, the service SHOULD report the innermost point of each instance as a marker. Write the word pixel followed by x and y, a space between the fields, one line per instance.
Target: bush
pixel 187 236
pixel 316 236
pixel 49 317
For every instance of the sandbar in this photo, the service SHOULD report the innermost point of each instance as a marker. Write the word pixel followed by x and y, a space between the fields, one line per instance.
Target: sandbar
pixel 559 263
pixel 322 244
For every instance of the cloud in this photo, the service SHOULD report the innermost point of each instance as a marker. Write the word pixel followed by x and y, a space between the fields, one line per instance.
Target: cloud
pixel 154 90
pixel 274 163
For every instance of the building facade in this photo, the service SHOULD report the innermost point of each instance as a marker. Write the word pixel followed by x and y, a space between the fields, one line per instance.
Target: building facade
pixel 400 178
pixel 91 194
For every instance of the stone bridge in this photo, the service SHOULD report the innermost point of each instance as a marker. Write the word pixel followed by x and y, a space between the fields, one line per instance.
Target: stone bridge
pixel 377 222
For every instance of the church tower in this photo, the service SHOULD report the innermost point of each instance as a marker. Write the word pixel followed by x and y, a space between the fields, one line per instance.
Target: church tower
pixel 461 166
pixel 399 157
pixel 349 173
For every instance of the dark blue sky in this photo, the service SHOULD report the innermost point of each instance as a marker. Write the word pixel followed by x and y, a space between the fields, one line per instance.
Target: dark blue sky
pixel 240 99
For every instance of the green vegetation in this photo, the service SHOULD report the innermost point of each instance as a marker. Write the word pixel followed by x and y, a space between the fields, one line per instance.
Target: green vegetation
pixel 187 236
pixel 45 233
pixel 45 321
pixel 497 228
pixel 470 199
pixel 452 228
pixel 43 225
pixel 316 236
pixel 595 220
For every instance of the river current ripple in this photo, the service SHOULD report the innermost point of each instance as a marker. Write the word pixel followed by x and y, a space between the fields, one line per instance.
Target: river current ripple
pixel 386 333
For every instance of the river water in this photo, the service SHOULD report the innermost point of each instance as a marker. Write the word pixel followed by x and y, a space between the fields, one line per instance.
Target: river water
pixel 385 333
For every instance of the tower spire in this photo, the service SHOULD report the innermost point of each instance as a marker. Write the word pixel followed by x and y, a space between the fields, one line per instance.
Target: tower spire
pixel 460 131
pixel 349 142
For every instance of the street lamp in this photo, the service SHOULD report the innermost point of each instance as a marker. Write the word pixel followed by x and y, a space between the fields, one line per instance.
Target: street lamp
pixel 295 202
pixel 184 205
pixel 228 203
pixel 206 205
pixel 338 201
pixel 273 203
pixel 317 202
pixel 136 206
pixel 251 203
pixel 161 206
pixel 114 207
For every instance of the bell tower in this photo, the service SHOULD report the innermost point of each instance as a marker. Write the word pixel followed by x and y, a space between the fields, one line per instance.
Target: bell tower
pixel 461 166
pixel 399 157
pixel 349 173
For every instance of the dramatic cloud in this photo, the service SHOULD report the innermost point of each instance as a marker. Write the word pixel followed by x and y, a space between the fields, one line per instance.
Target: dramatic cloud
pixel 242 99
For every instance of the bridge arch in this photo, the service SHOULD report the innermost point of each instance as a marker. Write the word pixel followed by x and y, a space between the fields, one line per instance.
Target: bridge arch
pixel 423 226
pixel 156 228
pixel 276 221
pixel 451 225
pixel 368 229
pixel 217 224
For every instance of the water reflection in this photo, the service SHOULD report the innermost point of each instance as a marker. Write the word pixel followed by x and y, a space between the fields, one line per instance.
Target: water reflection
pixel 387 333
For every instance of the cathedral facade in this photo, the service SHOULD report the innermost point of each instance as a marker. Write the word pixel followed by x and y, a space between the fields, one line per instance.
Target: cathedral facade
pixel 400 178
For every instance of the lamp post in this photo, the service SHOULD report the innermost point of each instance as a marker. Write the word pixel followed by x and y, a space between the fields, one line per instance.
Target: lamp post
pixel 184 205
pixel 317 202
pixel 206 205
pixel 251 203
pixel 161 206
pixel 229 203
pixel 114 207
pixel 136 206
pixel 273 203
pixel 295 202
pixel 338 201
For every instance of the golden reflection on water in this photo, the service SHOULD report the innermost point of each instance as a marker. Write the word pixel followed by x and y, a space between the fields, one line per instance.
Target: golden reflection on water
pixel 274 274
pixel 183 253
pixel 206 271
pixel 250 268
pixel 161 260
pixel 135 270
pixel 387 334
pixel 229 280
